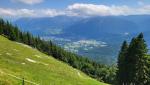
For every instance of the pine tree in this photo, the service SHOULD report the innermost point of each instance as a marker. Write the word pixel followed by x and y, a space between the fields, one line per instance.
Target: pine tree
pixel 141 68
pixel 132 67
pixel 12 35
pixel 131 62
pixel 16 32
pixel 29 41
pixel 121 73
pixel 1 26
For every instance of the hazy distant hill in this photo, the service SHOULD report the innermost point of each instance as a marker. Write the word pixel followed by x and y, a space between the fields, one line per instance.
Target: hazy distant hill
pixel 109 29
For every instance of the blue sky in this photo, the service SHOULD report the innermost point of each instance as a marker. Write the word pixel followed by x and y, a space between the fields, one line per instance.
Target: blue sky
pixel 59 4
pixel 51 8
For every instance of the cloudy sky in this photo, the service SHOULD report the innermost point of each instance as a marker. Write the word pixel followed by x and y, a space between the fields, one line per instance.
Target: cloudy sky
pixel 82 8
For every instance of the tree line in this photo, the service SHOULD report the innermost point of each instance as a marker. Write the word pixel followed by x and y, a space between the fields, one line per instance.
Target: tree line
pixel 133 63
pixel 95 70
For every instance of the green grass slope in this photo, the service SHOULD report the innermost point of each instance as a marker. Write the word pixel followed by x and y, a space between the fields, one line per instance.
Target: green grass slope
pixel 19 61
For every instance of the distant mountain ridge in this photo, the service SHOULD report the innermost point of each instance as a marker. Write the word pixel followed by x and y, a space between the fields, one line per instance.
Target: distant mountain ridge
pixel 105 24
pixel 37 24
pixel 110 29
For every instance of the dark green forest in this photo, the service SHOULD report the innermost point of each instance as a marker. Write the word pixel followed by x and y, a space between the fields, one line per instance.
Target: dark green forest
pixel 133 66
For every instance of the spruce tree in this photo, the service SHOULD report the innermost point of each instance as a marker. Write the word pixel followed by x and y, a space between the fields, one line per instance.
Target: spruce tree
pixel 29 41
pixel 135 68
pixel 131 62
pixel 141 67
pixel 121 73
pixel 1 26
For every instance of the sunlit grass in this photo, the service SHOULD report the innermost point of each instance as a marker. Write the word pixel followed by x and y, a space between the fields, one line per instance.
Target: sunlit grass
pixel 19 61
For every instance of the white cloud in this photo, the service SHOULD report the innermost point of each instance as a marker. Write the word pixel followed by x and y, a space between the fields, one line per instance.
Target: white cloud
pixel 104 10
pixel 89 9
pixel 16 12
pixel 144 10
pixel 52 12
pixel 30 2
pixel 99 10
pixel 7 12
pixel 77 9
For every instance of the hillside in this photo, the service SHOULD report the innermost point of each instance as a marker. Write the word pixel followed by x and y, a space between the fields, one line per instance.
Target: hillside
pixel 19 61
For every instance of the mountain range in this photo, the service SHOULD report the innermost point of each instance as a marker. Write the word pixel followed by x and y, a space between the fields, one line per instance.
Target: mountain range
pixel 73 33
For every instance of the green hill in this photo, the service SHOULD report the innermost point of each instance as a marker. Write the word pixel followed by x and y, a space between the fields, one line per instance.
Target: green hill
pixel 18 61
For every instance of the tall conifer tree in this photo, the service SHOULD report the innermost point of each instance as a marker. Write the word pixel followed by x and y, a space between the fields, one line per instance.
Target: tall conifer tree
pixel 121 74
pixel 134 62
pixel 141 68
